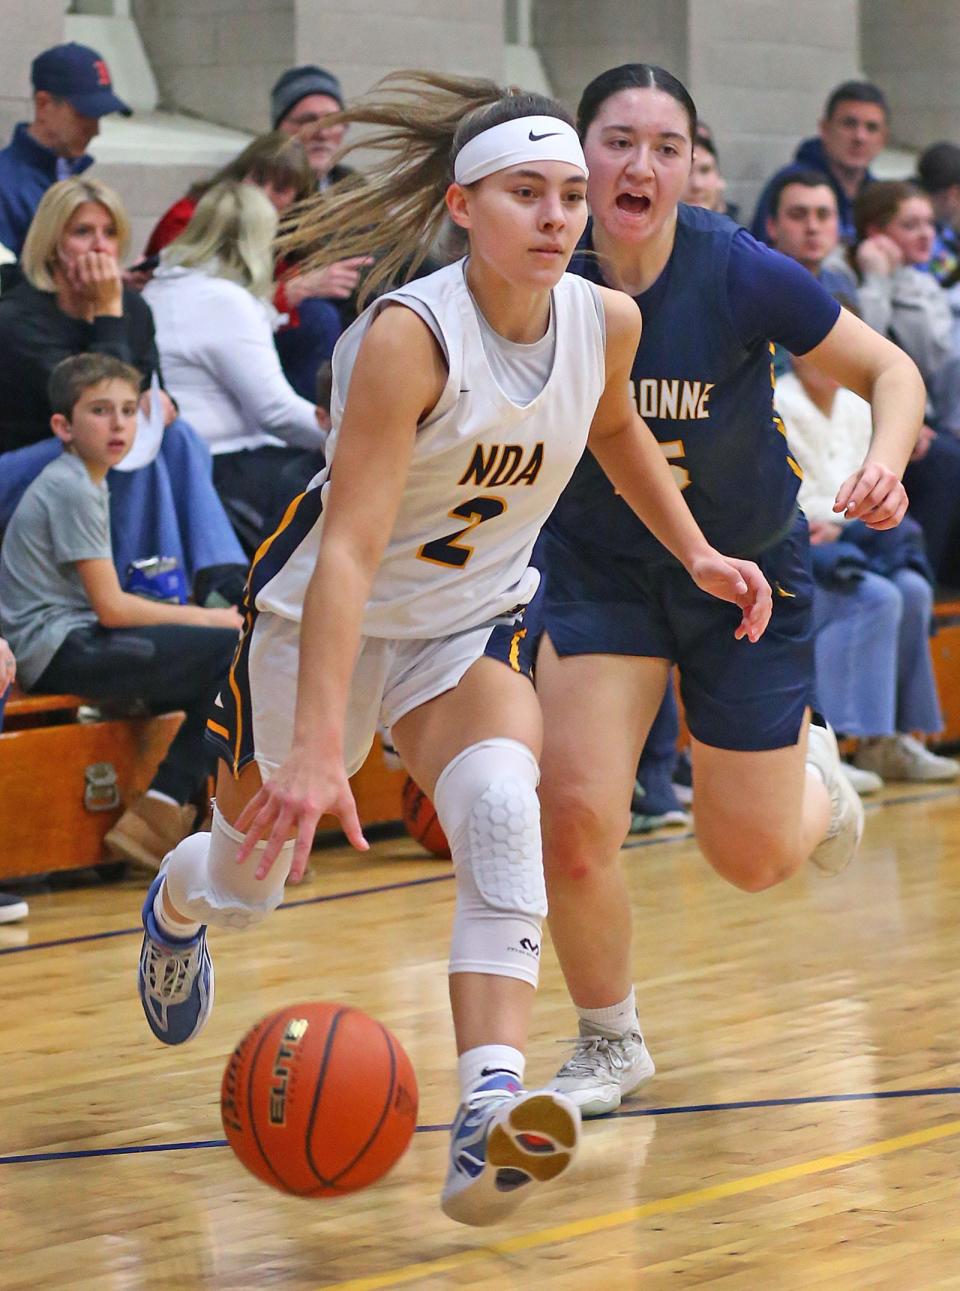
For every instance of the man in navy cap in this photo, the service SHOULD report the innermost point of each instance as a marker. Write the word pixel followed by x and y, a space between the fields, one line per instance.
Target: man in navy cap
pixel 72 90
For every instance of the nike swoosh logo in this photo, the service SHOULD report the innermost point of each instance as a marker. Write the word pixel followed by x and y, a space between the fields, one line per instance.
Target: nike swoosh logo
pixel 535 138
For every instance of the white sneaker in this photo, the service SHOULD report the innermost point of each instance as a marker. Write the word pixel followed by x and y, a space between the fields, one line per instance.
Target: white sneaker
pixel 839 847
pixel 504 1140
pixel 901 757
pixel 604 1069
pixel 863 781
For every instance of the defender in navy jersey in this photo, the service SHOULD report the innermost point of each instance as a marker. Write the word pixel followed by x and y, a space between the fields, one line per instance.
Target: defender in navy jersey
pixel 394 589
pixel 769 792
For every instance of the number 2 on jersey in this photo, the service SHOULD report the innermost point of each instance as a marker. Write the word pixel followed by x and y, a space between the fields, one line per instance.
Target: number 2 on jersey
pixel 449 551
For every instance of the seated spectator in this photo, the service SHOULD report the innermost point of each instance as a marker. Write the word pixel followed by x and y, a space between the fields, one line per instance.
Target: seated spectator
pixel 938 174
pixel 275 162
pixel 804 224
pixel 278 164
pixel 72 626
pixel 894 223
pixel 300 101
pixel 71 92
pixel 12 908
pixel 210 297
pixel 71 300
pixel 706 187
pixel 872 598
pixel 894 238
pixel 852 133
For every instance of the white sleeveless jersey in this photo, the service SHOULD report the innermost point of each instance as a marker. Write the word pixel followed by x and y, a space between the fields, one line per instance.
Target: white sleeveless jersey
pixel 484 476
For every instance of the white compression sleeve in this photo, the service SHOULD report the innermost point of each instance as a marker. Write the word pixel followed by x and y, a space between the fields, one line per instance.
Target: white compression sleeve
pixel 205 883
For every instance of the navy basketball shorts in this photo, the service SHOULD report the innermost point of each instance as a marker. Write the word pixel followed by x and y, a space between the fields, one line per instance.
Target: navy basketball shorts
pixel 737 695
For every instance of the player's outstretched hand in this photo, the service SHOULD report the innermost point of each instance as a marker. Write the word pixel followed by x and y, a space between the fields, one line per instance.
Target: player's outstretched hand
pixel 741 582
pixel 875 495
pixel 291 803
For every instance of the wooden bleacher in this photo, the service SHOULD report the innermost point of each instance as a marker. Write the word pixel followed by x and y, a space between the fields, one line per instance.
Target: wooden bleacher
pixel 945 647
pixel 63 782
pixel 55 808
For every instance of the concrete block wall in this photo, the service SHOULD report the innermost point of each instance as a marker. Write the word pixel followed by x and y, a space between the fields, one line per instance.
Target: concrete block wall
pixel 363 40
pixel 217 59
pixel 27 27
pixel 913 52
pixel 760 72
pixel 578 40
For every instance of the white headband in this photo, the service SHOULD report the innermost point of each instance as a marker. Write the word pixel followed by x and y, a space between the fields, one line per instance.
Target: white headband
pixel 513 142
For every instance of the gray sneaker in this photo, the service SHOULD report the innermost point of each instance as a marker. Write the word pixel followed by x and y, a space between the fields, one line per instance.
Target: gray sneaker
pixel 604 1069
pixel 840 845
pixel 902 757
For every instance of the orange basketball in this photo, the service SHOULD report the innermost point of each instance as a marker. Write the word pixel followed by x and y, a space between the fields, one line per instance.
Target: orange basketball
pixel 421 821
pixel 319 1100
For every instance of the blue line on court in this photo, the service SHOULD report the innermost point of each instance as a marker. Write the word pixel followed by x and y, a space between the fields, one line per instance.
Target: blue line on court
pixel 287 905
pixel 683 1110
pixel 653 840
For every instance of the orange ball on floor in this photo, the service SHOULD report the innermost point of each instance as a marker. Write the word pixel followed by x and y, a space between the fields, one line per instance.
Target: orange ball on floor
pixel 318 1100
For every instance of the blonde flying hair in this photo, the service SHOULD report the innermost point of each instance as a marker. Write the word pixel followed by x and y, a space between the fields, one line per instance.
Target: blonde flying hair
pixel 57 208
pixel 230 235
pixel 396 210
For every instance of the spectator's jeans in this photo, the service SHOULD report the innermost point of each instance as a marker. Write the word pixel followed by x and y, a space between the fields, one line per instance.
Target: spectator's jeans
pixel 168 508
pixel 168 667
pixel 872 649
pixel 3 704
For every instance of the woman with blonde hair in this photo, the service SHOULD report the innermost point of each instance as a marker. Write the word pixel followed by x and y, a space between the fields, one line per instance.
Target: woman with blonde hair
pixel 71 300
pixel 210 299
pixel 317 304
pixel 273 162
pixel 396 588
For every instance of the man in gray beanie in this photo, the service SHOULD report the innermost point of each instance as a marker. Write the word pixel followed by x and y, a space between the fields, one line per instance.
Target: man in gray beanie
pixel 299 101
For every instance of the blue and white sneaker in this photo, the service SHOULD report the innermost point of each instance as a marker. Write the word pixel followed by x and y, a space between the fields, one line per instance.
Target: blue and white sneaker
pixel 175 979
pixel 503 1140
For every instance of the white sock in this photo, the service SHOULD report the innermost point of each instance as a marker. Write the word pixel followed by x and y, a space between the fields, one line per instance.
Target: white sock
pixel 179 931
pixel 161 797
pixel 477 1065
pixel 616 1018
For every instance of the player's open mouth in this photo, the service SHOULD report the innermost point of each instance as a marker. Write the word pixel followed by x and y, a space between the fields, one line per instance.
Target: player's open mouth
pixel 634 203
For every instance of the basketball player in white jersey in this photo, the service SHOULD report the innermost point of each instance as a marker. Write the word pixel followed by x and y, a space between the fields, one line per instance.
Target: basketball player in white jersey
pixel 395 589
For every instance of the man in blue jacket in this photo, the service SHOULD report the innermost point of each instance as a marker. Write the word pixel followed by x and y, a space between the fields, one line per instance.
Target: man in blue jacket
pixel 853 131
pixel 72 90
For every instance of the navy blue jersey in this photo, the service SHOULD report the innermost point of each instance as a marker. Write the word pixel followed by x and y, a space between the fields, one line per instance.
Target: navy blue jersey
pixel 703 383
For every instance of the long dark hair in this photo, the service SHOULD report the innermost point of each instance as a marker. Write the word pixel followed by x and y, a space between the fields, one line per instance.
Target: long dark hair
pixel 633 76
pixel 397 210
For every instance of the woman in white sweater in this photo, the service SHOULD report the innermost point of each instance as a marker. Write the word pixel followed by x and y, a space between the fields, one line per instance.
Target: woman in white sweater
pixel 214 324
pixel 872 602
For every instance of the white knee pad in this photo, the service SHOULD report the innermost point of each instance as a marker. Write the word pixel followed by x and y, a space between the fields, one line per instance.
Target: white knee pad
pixel 205 883
pixel 486 801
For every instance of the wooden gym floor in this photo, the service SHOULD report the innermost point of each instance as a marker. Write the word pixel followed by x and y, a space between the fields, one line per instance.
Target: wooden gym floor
pixel 803 1130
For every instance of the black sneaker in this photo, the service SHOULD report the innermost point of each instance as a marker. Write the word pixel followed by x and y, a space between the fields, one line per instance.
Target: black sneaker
pixel 12 908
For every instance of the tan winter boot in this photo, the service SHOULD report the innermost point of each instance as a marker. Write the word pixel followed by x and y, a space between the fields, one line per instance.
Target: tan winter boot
pixel 148 829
